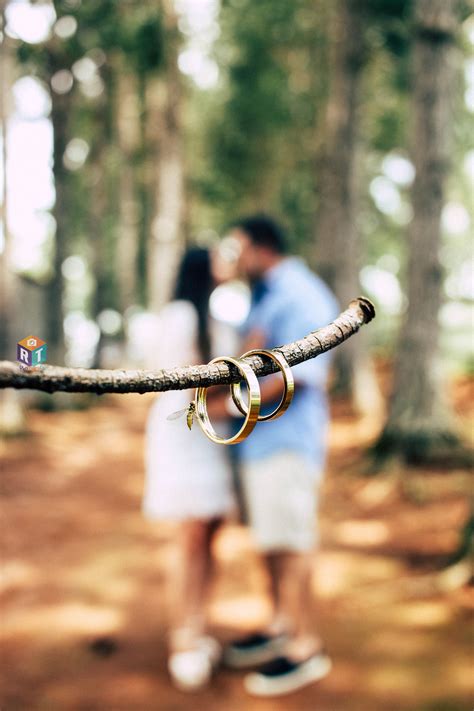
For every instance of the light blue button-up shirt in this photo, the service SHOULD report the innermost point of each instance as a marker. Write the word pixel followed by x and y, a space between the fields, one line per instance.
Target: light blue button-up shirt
pixel 290 302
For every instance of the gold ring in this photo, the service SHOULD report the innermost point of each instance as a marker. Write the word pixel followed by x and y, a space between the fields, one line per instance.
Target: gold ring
pixel 251 416
pixel 288 385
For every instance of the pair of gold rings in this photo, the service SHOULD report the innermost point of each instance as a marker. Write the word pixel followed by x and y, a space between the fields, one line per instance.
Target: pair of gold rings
pixel 251 409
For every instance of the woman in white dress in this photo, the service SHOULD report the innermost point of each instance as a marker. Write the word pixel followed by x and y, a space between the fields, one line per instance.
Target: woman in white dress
pixel 188 477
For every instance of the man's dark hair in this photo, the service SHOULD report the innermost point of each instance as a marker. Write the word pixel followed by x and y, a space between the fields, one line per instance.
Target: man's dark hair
pixel 263 231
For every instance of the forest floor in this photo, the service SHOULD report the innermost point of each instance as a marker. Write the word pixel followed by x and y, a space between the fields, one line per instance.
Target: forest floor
pixel 82 577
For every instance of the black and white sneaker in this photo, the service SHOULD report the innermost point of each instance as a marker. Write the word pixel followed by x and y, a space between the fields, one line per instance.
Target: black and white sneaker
pixel 282 675
pixel 253 650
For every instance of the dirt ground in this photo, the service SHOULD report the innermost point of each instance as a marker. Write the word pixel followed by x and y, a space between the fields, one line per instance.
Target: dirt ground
pixel 83 578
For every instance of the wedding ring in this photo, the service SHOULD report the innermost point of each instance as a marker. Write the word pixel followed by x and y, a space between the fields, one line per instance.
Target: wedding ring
pixel 251 414
pixel 288 385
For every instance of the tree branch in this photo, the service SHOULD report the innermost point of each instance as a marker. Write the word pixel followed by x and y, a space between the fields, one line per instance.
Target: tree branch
pixel 53 378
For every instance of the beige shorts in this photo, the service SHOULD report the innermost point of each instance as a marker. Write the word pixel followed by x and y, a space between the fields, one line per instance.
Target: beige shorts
pixel 280 495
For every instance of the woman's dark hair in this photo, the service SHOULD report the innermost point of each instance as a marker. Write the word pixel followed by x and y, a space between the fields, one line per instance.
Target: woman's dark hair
pixel 194 283
pixel 263 231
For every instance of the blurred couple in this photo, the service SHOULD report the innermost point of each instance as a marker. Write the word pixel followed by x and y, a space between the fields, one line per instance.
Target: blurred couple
pixel 189 478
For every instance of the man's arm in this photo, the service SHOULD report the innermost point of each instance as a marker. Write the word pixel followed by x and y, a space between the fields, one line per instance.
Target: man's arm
pixel 271 386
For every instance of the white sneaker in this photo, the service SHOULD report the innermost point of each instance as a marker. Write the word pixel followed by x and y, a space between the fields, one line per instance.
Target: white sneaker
pixel 191 670
pixel 212 648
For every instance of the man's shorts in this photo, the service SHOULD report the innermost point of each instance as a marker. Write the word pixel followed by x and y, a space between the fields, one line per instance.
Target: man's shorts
pixel 280 494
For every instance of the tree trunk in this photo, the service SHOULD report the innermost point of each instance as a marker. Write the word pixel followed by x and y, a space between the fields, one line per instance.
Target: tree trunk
pixel 420 426
pixel 12 416
pixel 104 205
pixel 166 238
pixel 7 277
pixel 338 247
pixel 143 191
pixel 98 229
pixel 54 290
pixel 128 137
pixel 336 237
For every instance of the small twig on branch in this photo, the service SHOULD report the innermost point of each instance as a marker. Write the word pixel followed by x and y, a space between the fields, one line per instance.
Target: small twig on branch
pixel 51 378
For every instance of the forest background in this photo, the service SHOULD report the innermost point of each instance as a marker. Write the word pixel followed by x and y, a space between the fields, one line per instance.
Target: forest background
pixel 131 129
pixel 134 129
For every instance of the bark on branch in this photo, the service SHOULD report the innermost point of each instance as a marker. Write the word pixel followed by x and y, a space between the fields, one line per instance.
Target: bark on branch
pixel 53 378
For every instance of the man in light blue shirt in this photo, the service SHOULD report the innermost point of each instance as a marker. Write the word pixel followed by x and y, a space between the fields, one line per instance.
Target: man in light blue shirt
pixel 293 303
pixel 282 461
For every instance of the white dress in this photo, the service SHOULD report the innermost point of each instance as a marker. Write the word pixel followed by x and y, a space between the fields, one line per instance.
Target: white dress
pixel 186 475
